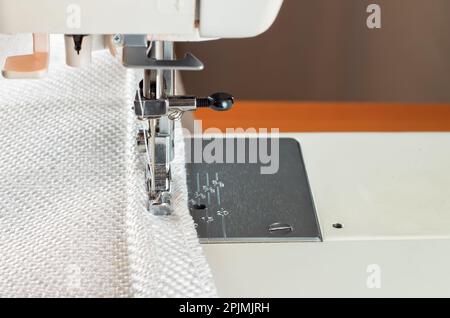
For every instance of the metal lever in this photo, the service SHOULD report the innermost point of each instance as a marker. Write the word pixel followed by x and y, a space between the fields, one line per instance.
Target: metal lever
pixel 155 108
pixel 136 57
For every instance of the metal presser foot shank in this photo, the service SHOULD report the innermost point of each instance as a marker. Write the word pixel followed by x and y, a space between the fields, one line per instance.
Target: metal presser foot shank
pixel 158 106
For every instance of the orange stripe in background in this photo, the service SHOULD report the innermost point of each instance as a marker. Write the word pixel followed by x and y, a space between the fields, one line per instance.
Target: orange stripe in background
pixel 330 117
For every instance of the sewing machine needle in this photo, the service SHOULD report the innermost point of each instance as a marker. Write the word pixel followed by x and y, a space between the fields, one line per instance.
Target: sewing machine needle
pixel 152 124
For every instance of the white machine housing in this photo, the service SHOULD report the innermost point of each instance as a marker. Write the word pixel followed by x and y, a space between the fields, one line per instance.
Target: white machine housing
pixel 187 20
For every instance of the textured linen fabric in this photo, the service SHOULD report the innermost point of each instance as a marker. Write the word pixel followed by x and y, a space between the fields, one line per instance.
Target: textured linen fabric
pixel 73 218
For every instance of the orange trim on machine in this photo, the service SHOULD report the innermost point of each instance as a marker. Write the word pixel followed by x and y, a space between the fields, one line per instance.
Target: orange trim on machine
pixel 330 117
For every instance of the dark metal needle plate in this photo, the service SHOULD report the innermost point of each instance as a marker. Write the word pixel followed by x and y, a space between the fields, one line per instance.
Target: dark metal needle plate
pixel 234 202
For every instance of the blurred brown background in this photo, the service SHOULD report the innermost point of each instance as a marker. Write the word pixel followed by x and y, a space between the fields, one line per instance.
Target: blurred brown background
pixel 322 50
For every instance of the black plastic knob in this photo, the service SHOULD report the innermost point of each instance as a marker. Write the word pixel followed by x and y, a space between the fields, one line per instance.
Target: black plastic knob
pixel 222 101
pixel 217 101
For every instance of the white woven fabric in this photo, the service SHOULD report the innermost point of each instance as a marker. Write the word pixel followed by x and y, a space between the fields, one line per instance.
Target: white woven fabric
pixel 73 221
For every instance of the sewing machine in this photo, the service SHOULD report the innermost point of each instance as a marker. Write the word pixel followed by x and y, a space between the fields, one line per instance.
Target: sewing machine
pixel 347 241
pixel 143 33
